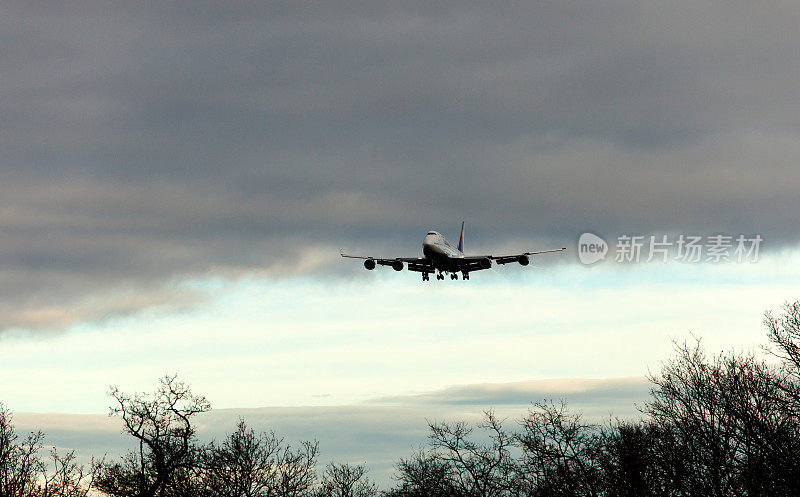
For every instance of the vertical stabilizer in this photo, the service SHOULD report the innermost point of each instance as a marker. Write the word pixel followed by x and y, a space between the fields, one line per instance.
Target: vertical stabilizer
pixel 461 238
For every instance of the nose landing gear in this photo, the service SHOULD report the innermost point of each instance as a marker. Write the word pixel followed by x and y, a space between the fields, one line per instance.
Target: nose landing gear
pixel 465 275
pixel 425 277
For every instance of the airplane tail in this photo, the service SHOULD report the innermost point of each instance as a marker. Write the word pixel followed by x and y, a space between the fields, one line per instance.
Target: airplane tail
pixel 461 239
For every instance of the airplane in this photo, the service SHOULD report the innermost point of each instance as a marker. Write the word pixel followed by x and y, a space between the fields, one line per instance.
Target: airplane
pixel 441 257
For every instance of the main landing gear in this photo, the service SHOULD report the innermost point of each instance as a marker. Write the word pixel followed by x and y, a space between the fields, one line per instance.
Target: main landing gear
pixel 440 276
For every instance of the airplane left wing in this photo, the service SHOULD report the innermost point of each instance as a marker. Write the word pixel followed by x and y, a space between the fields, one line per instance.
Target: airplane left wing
pixel 478 262
pixel 523 258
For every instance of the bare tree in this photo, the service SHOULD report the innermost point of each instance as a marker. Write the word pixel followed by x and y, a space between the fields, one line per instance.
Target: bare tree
pixel 297 469
pixel 424 475
pixel 247 464
pixel 729 424
pixel 561 453
pixel 162 425
pixel 244 464
pixel 640 459
pixel 19 462
pixel 477 469
pixel 783 330
pixel 67 478
pixel 23 473
pixel 688 396
pixel 344 480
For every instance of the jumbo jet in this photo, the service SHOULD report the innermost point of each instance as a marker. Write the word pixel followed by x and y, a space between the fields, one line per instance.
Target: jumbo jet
pixel 441 257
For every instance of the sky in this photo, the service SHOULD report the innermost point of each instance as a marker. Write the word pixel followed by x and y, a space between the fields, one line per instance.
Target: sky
pixel 177 181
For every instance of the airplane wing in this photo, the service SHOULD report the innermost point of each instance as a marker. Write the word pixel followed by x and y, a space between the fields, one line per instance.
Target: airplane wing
pixel 478 262
pixel 419 264
pixel 505 259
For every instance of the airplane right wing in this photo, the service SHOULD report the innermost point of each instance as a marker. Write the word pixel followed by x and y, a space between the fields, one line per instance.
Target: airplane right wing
pixel 418 264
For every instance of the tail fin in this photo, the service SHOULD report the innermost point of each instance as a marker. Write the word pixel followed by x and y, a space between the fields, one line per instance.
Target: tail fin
pixel 461 239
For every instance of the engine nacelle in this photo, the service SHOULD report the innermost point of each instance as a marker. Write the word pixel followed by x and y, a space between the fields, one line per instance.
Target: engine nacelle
pixel 397 265
pixel 486 263
pixel 369 264
pixel 524 260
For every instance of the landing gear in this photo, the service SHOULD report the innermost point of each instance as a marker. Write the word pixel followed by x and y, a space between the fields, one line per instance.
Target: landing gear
pixel 426 276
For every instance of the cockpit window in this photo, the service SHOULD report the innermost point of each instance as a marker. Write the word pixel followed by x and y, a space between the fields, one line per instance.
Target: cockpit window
pixel 432 233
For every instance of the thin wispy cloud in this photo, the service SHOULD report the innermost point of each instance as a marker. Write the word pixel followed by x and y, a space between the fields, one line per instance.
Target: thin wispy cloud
pixel 606 392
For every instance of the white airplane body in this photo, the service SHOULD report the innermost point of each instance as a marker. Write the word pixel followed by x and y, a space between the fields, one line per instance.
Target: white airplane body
pixel 441 257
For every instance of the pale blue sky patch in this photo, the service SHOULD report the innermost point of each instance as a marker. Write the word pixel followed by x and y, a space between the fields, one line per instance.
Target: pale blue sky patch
pixel 266 342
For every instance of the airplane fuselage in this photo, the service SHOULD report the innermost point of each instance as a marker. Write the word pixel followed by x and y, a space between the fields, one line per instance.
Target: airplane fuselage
pixel 439 252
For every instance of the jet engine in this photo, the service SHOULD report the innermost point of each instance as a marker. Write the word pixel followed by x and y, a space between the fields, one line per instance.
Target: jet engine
pixel 523 260
pixel 486 263
pixel 369 264
pixel 397 265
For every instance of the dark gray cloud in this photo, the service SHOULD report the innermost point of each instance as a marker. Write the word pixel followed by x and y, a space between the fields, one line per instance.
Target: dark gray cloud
pixel 145 143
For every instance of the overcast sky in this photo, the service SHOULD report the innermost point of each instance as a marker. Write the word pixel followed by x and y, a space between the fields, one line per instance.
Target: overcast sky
pixel 144 143
pixel 177 179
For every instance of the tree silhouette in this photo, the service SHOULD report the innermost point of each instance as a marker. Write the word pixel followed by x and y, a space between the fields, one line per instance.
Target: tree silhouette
pixel 23 473
pixel 344 480
pixel 560 452
pixel 247 464
pixel 425 474
pixel 162 424
pixel 725 420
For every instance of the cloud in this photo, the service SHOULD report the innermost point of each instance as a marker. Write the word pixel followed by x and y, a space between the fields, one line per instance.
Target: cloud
pixel 145 144
pixel 606 392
